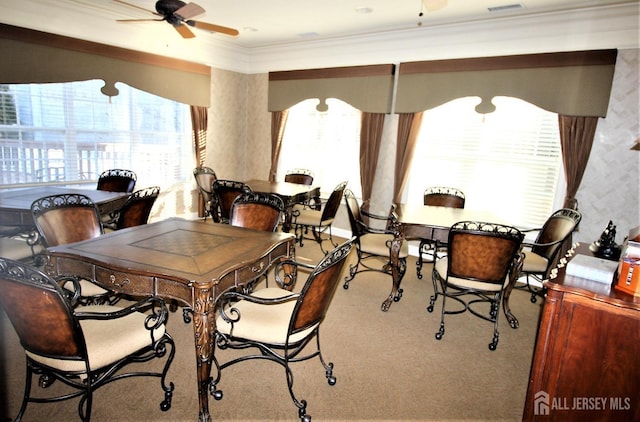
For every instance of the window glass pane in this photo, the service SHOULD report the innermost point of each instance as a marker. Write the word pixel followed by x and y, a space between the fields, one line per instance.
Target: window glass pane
pixel 72 132
pixel 327 143
pixel 507 162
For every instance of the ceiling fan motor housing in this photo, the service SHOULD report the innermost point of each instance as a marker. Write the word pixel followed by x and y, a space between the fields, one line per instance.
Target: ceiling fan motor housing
pixel 168 7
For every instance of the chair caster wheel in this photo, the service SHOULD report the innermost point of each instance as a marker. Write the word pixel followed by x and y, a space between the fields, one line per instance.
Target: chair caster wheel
pixel 430 308
pixel 492 346
pixel 533 299
pixel 164 406
pixel 438 336
pixel 331 380
pixel 346 286
pixel 217 394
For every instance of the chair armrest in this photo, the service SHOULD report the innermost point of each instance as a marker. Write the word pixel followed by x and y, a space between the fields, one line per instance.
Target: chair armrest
pixel 72 295
pixel 290 276
pixel 231 314
pixel 158 315
pixel 531 244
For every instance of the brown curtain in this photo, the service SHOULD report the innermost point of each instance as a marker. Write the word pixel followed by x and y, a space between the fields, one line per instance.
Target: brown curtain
pixel 408 130
pixel 278 122
pixel 576 139
pixel 199 136
pixel 371 126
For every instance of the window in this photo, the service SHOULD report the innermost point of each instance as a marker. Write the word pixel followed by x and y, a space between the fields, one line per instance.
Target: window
pixel 71 132
pixel 327 143
pixel 507 161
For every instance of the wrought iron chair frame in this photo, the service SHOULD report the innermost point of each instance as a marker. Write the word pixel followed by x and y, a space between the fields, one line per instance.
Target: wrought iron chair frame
pixel 327 212
pixel 549 246
pixel 305 320
pixel 205 177
pixel 478 254
pixel 385 236
pixel 245 211
pixel 441 196
pixel 50 228
pixel 299 176
pixel 46 348
pixel 117 180
pixel 224 193
pixel 137 209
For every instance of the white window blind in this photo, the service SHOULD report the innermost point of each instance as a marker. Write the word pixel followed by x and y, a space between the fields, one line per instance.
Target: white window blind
pixel 507 162
pixel 72 132
pixel 327 143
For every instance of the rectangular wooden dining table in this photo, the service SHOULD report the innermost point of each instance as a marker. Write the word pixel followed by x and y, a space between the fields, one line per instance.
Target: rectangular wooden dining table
pixel 291 194
pixel 15 204
pixel 416 221
pixel 185 261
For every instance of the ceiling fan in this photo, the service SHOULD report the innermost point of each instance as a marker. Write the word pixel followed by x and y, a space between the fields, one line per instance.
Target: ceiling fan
pixel 179 14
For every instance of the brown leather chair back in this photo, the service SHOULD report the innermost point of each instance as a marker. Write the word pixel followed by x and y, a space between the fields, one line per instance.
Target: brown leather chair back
pixel 117 180
pixel 136 210
pixel 66 218
pixel 259 211
pixel 444 197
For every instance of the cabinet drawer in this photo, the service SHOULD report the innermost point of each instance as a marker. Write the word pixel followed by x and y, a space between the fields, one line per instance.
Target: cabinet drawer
pixel 124 283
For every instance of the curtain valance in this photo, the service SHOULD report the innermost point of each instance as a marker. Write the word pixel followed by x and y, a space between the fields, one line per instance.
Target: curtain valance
pixel 367 88
pixel 569 83
pixel 30 56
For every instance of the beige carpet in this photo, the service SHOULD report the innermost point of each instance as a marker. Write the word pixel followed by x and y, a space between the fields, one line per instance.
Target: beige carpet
pixel 389 367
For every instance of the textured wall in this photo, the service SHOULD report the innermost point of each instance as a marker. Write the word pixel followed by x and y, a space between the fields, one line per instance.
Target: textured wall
pixel 611 183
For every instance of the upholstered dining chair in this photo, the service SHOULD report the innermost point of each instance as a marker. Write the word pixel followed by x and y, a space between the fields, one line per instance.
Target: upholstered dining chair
pixel 224 193
pixel 68 218
pixel 136 210
pixel 300 176
pixel 541 255
pixel 317 219
pixel 259 211
pixel 373 244
pixel 204 179
pixel 482 259
pixel 117 180
pixel 439 196
pixel 84 347
pixel 280 324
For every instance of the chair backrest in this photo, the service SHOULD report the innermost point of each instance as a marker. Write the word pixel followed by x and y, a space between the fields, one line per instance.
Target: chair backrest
pixel 136 210
pixel 557 228
pixel 358 226
pixel 318 290
pixel 483 252
pixel 204 179
pixel 225 192
pixel 300 176
pixel 66 218
pixel 259 211
pixel 330 209
pixel 442 196
pixel 117 180
pixel 39 311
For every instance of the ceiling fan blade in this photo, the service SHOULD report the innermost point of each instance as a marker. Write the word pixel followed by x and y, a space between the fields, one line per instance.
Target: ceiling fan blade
pixel 136 7
pixel 190 10
pixel 433 5
pixel 214 28
pixel 184 31
pixel 139 20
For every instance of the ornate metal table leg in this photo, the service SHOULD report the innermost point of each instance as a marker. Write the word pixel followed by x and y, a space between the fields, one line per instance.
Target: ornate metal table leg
pixel 203 329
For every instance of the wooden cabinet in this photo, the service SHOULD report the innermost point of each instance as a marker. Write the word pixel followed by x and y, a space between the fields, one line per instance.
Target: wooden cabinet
pixel 586 363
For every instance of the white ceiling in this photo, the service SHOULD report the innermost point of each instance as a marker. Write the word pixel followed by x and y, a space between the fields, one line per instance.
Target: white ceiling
pixel 281 26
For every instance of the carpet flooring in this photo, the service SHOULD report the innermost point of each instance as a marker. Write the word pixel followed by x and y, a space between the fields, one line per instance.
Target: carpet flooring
pixel 389 366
